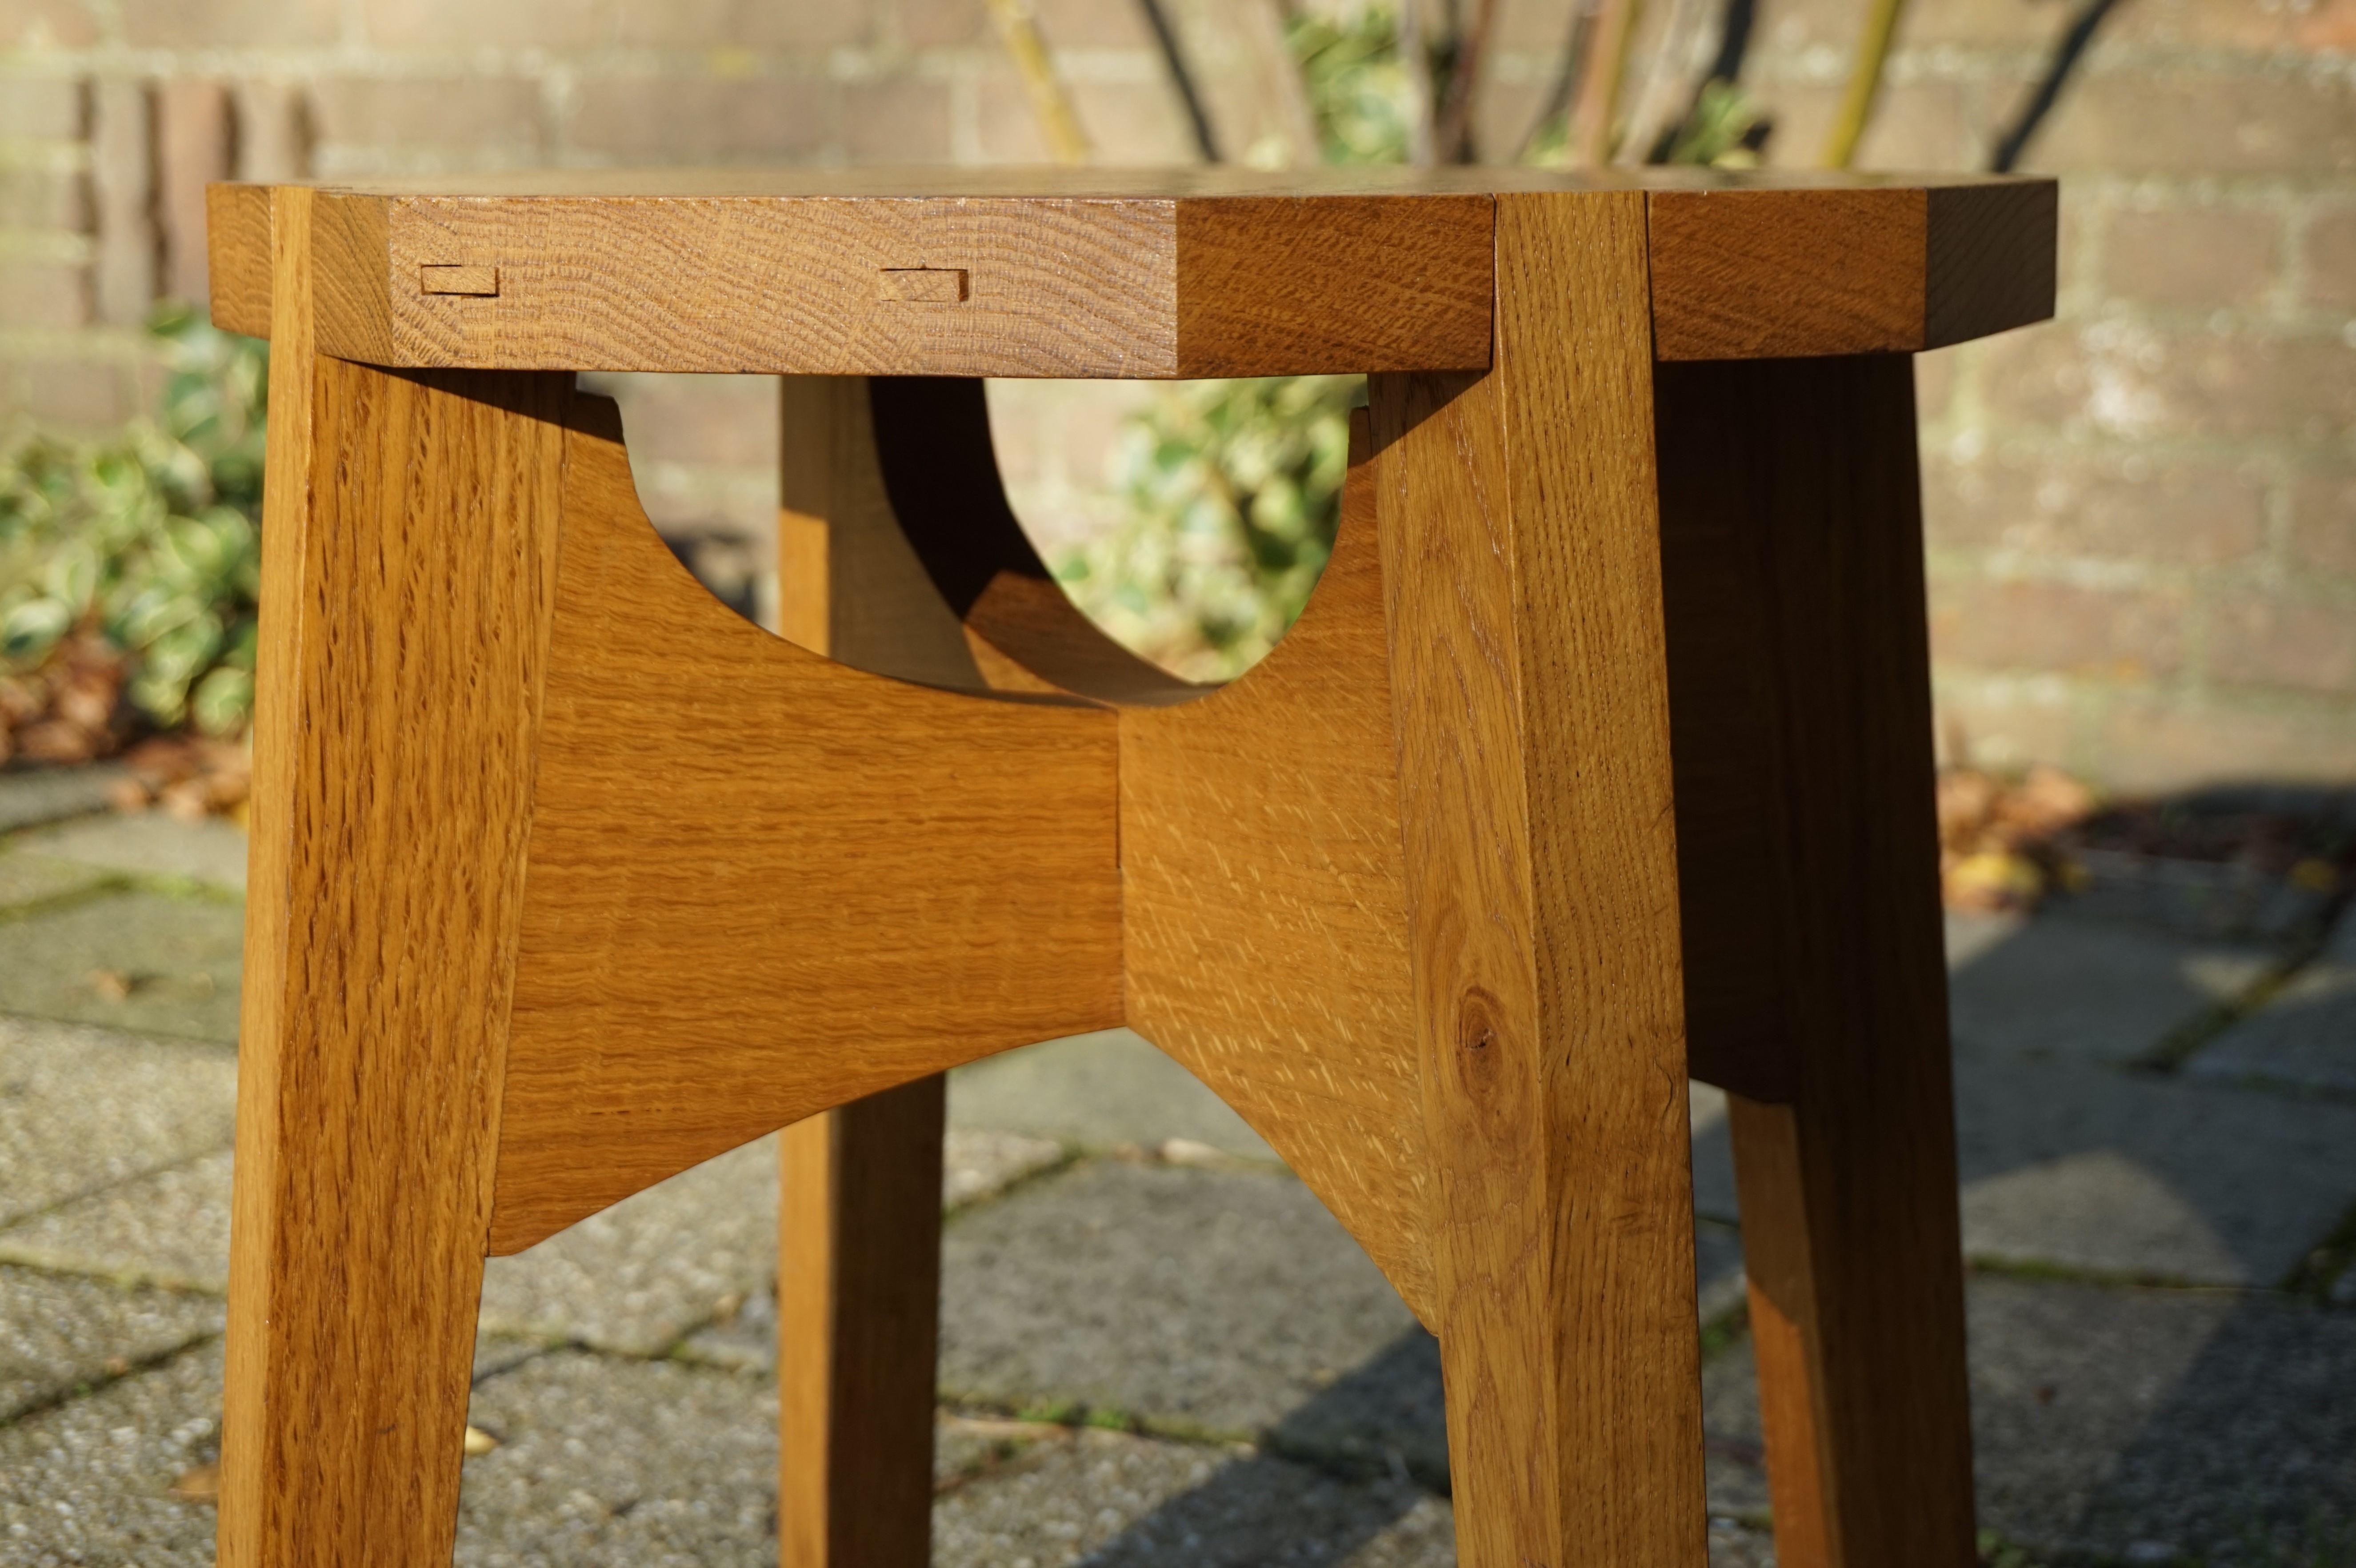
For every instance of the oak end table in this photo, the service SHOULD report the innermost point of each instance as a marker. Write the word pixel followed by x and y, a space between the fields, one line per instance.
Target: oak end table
pixel 1600 757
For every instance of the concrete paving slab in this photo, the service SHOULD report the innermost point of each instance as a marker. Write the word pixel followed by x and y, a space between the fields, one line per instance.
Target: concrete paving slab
pixel 82 1108
pixel 2089 1168
pixel 1212 1299
pixel 88 1482
pixel 1121 1501
pixel 641 1274
pixel 150 844
pixel 28 881
pixel 2143 1425
pixel 1096 1091
pixel 979 1163
pixel 31 796
pixel 59 1333
pixel 179 957
pixel 168 1227
pixel 2056 987
pixel 2305 1037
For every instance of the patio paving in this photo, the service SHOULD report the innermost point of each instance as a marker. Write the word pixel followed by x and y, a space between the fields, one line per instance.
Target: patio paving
pixel 2163 1308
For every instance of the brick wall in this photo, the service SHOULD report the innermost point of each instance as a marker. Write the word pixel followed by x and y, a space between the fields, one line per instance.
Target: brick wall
pixel 2142 518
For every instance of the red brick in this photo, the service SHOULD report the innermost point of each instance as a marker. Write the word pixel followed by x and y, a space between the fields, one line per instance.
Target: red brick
pixel 744 24
pixel 943 24
pixel 1093 24
pixel 2260 26
pixel 47 23
pixel 44 294
pixel 76 394
pixel 2179 514
pixel 679 119
pixel 39 198
pixel 1934 383
pixel 2002 724
pixel 2197 258
pixel 2264 639
pixel 717 420
pixel 489 119
pixel 1009 131
pixel 1134 123
pixel 1538 27
pixel 43 108
pixel 2275 121
pixel 2323 523
pixel 2159 744
pixel 2130 380
pixel 216 23
pixel 2331 254
pixel 1918 125
pixel 474 24
pixel 2047 626
pixel 902 120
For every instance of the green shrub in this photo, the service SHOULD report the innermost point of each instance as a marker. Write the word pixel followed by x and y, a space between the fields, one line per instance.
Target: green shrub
pixel 148 539
pixel 1231 490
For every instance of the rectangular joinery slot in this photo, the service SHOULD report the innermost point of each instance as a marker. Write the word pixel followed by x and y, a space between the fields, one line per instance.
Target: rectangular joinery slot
pixel 921 285
pixel 481 281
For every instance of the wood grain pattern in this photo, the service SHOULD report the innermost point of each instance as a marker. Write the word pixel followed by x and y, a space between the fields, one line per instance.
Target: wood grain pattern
pixel 1266 907
pixel 1797 483
pixel 1160 273
pixel 956 886
pixel 238 257
pixel 1990 252
pixel 409 557
pixel 1521 556
pixel 859 1279
pixel 1264 910
pixel 1749 273
pixel 1374 282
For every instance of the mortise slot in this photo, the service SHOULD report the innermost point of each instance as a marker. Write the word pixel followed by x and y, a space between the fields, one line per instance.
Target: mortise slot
pixel 921 285
pixel 455 280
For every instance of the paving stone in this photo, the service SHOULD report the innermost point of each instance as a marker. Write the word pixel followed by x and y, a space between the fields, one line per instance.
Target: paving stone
pixel 608 1460
pixel 642 1273
pixel 2087 990
pixel 2106 1419
pixel 2087 1168
pixel 59 1333
pixel 28 879
pixel 1096 1091
pixel 36 795
pixel 150 844
pixel 1220 1300
pixel 87 1481
pixel 2306 1036
pixel 170 1226
pixel 180 954
pixel 1119 1501
pixel 977 1163
pixel 82 1108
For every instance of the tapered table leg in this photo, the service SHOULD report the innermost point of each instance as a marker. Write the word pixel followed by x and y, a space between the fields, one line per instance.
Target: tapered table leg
pixel 860 1223
pixel 1801 690
pixel 406 578
pixel 1522 568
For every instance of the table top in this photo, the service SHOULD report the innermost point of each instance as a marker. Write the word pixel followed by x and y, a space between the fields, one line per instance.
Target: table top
pixel 1210 270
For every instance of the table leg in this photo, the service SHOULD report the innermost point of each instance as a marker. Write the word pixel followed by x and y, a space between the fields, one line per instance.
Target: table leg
pixel 858 1311
pixel 408 565
pixel 1800 690
pixel 860 1219
pixel 1522 571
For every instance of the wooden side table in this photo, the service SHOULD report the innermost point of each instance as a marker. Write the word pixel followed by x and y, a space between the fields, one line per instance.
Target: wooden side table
pixel 1601 756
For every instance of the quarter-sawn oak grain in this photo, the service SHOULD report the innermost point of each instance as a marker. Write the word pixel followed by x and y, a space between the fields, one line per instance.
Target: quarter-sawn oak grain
pixel 1521 562
pixel 1129 273
pixel 408 576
